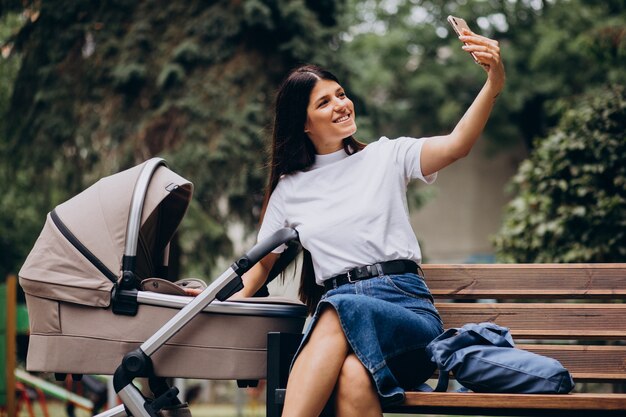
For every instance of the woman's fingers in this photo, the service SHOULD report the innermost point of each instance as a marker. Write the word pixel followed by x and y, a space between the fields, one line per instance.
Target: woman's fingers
pixel 487 52
pixel 479 40
pixel 470 37
pixel 480 46
pixel 193 291
pixel 481 50
pixel 484 55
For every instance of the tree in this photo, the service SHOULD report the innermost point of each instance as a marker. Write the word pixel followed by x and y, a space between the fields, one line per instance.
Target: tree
pixel 22 220
pixel 103 86
pixel 570 203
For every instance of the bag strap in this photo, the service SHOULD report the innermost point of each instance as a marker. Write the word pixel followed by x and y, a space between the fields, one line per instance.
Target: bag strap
pixel 492 333
pixel 442 385
pixel 424 388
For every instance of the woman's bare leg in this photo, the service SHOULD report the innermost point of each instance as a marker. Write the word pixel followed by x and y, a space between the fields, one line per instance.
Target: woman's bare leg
pixel 317 367
pixel 356 394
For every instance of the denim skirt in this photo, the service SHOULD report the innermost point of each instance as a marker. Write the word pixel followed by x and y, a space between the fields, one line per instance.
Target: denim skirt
pixel 388 321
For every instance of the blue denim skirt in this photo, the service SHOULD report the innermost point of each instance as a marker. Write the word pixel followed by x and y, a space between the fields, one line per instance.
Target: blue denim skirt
pixel 388 321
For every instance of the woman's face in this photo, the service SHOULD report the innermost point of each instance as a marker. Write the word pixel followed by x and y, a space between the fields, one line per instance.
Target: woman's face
pixel 330 117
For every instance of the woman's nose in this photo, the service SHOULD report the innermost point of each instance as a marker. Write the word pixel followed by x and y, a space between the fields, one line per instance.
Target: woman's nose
pixel 340 105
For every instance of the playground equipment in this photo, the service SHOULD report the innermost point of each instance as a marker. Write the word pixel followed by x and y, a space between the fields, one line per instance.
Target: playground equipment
pixel 49 389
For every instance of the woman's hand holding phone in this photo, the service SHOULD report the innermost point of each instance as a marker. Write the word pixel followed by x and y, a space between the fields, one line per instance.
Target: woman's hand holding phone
pixel 485 52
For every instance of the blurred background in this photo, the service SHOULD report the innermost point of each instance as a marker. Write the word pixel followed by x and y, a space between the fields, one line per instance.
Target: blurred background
pixel 89 88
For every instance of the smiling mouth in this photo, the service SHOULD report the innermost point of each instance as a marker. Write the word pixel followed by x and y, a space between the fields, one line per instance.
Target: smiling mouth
pixel 342 119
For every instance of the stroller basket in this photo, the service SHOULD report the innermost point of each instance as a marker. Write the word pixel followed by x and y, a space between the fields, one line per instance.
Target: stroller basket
pixel 81 281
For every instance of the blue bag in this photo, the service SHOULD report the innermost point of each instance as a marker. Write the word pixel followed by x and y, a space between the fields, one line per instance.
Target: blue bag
pixel 483 358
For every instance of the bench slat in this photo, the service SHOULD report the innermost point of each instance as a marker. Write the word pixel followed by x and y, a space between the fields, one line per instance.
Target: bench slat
pixel 527 280
pixel 597 363
pixel 588 402
pixel 542 321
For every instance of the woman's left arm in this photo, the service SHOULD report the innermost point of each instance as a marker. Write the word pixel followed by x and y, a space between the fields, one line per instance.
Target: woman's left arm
pixel 440 151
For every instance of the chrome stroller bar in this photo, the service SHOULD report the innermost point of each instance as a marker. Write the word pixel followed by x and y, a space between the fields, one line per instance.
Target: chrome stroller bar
pixel 125 292
pixel 194 307
pixel 136 205
pixel 117 411
pixel 138 362
pixel 217 307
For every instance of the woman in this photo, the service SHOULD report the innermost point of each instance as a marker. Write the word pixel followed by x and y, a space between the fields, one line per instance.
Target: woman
pixel 373 312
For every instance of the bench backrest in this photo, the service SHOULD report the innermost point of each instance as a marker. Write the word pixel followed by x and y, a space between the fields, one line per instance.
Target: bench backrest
pixel 575 313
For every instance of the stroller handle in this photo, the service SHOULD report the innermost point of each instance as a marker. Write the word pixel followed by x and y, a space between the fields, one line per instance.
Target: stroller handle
pixel 136 209
pixel 258 251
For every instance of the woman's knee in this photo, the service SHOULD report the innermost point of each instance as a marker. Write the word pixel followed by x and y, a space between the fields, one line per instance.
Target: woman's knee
pixel 354 384
pixel 328 324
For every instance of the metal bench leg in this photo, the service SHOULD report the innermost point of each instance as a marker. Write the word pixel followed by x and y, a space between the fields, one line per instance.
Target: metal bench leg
pixel 280 350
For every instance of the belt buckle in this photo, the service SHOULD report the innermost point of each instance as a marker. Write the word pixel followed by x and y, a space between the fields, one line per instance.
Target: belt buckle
pixel 349 275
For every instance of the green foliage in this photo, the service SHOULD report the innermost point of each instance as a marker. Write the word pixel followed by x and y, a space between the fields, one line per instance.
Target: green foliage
pixel 172 74
pixel 129 78
pixel 187 54
pixel 21 222
pixel 9 65
pixel 570 203
pixel 104 86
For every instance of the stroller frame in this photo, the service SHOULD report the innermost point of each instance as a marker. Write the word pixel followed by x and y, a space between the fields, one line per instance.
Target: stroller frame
pixel 125 297
pixel 137 363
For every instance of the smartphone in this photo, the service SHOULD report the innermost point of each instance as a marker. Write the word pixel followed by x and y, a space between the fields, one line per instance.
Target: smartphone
pixel 458 24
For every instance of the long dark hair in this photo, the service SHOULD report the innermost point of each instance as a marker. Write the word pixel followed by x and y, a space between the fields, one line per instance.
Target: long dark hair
pixel 293 151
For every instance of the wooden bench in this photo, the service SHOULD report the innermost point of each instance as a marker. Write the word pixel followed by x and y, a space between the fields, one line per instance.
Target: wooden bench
pixel 575 313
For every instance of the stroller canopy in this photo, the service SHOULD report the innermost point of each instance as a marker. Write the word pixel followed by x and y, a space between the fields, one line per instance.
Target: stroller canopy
pixel 78 255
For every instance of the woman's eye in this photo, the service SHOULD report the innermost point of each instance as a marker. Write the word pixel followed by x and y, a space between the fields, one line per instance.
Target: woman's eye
pixel 322 103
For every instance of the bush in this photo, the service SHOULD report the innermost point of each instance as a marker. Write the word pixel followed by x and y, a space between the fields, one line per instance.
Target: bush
pixel 570 203
pixel 171 74
pixel 187 53
pixel 129 78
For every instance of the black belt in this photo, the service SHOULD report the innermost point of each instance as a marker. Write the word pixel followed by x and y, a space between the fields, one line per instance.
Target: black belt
pixel 401 266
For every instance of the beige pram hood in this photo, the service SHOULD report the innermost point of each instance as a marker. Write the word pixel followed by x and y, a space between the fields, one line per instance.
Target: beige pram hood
pixel 79 253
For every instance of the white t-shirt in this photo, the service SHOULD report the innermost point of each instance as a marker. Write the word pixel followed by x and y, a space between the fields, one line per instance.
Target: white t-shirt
pixel 351 210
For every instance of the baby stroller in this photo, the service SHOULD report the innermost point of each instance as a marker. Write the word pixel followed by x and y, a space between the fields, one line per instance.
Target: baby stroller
pixel 90 314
